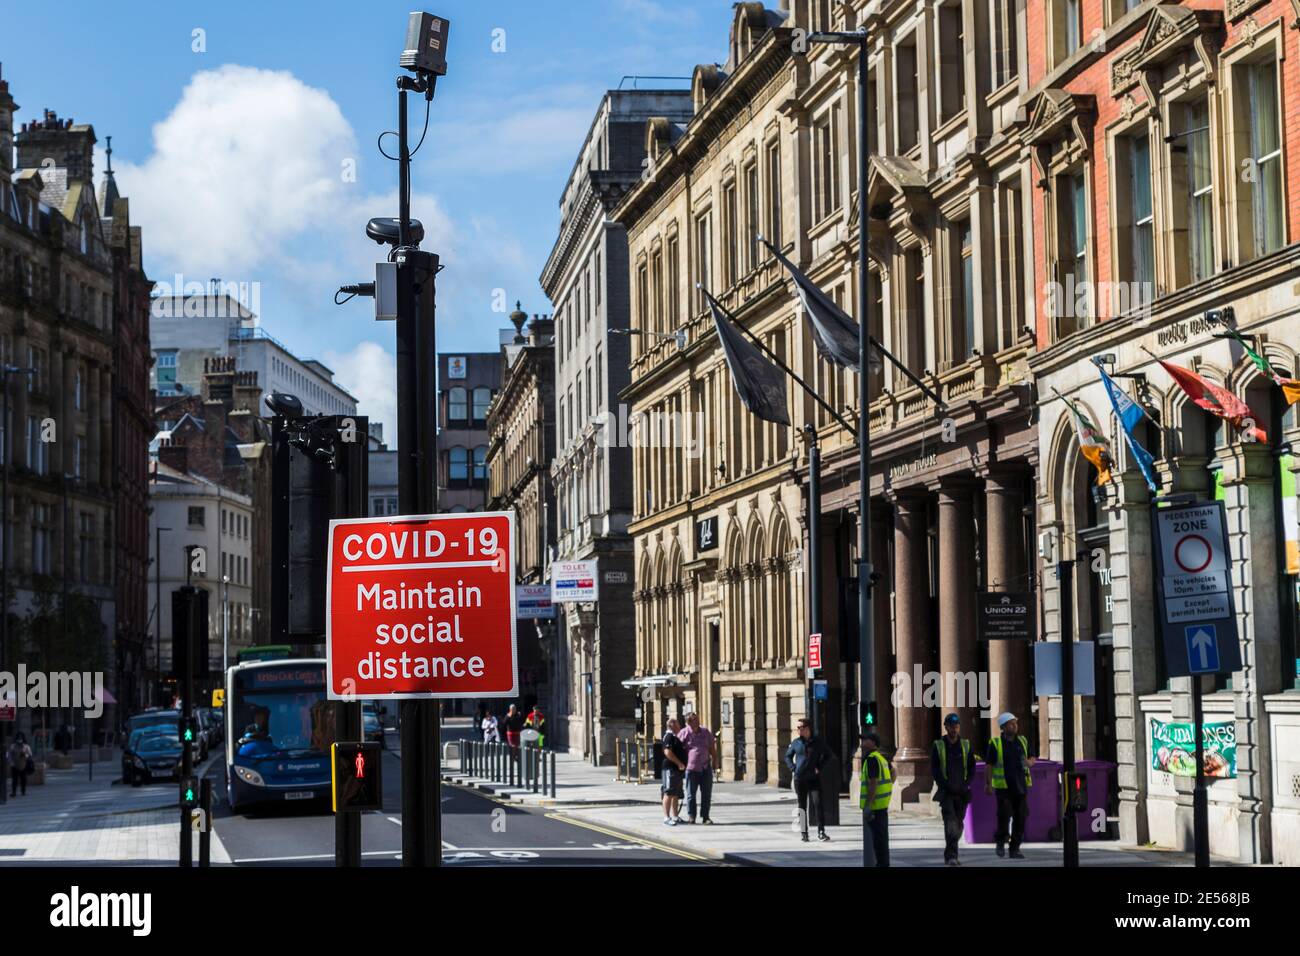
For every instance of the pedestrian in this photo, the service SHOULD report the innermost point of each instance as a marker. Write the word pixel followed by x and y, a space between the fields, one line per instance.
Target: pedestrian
pixel 700 752
pixel 877 786
pixel 514 726
pixel 20 764
pixel 952 764
pixel 674 767
pixel 1009 778
pixel 537 721
pixel 805 758
pixel 491 733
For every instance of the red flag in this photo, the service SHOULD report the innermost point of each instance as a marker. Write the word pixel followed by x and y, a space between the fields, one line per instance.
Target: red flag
pixel 1215 399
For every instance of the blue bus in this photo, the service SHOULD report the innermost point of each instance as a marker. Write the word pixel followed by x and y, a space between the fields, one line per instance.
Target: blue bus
pixel 279 727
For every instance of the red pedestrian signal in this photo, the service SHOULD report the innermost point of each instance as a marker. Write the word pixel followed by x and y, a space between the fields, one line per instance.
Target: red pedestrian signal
pixel 1076 792
pixel 356 776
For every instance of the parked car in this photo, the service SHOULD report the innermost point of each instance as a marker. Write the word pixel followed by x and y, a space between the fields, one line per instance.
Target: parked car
pixel 215 727
pixel 151 751
pixel 372 728
pixel 160 717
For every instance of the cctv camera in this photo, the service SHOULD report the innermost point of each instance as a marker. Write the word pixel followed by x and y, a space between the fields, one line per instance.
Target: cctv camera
pixel 385 229
pixel 284 405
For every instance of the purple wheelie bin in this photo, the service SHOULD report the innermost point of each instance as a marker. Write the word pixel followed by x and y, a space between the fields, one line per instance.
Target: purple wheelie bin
pixel 1099 774
pixel 1044 805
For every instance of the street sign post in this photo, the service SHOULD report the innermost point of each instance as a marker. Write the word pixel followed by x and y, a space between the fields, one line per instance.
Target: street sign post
pixel 573 581
pixel 1198 622
pixel 421 607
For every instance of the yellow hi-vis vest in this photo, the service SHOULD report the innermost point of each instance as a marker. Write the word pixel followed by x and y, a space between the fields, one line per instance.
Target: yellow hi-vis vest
pixel 999 774
pixel 941 749
pixel 884 783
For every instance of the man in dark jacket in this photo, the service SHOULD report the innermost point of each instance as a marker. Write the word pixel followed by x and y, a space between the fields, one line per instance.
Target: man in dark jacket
pixel 805 757
pixel 952 764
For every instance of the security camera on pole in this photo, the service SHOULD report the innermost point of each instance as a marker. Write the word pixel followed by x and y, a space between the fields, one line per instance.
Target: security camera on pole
pixel 404 291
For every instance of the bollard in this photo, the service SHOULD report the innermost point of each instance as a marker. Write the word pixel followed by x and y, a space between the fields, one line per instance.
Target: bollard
pixel 544 769
pixel 539 760
pixel 205 835
pixel 552 756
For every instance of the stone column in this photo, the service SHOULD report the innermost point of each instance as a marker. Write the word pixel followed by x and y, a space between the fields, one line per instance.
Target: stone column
pixel 880 532
pixel 105 426
pixel 911 626
pixel 957 652
pixel 93 443
pixel 1005 567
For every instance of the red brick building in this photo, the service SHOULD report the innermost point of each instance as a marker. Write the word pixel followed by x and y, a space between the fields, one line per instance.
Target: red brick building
pixel 1164 150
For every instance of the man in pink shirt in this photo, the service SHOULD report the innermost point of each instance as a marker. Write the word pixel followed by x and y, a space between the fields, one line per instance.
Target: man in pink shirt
pixel 700 746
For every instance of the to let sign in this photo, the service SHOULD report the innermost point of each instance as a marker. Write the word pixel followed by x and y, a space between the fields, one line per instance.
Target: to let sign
pixel 421 607
pixel 573 581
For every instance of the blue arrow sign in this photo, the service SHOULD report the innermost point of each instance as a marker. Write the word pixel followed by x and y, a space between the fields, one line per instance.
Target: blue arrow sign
pixel 1202 648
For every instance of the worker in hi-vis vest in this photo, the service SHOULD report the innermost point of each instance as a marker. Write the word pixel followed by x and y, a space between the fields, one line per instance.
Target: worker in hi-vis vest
pixel 952 764
pixel 877 785
pixel 1008 764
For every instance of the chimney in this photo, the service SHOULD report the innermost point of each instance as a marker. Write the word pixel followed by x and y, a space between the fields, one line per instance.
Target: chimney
pixel 7 108
pixel 175 456
pixel 72 147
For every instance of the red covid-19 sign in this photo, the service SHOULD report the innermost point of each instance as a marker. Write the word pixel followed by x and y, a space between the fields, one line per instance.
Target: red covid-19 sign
pixel 422 606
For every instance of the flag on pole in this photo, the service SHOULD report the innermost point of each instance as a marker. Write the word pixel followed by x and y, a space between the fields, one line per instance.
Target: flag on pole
pixel 835 333
pixel 1290 386
pixel 1215 399
pixel 1129 414
pixel 1092 444
pixel 759 383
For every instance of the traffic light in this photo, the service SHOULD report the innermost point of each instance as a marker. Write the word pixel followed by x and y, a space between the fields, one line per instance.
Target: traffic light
pixel 1076 792
pixel 869 716
pixel 187 729
pixel 190 632
pixel 189 792
pixel 355 776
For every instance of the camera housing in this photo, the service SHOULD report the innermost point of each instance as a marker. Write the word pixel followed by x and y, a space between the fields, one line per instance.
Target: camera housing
pixel 425 51
pixel 284 405
pixel 384 229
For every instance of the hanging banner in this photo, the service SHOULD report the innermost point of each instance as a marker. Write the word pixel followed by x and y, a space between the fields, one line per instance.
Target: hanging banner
pixel 1173 749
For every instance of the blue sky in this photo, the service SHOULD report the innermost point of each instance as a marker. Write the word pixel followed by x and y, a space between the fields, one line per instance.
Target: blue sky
pixel 253 157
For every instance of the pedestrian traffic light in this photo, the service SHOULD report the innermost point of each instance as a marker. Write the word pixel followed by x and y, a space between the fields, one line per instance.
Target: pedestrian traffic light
pixel 1076 792
pixel 355 776
pixel 189 792
pixel 869 716
pixel 187 729
pixel 190 632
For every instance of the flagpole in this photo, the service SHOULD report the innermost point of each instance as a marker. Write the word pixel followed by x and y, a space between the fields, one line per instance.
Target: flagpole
pixel 779 364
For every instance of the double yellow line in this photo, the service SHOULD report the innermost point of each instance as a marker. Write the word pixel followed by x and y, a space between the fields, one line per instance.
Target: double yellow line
pixel 631 838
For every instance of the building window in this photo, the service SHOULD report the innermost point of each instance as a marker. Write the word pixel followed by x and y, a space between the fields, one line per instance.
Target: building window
pixel 197 516
pixel 1265 156
pixel 1064 29
pixel 730 236
pixel 86 543
pixel 752 226
pixel 914 318
pixel 482 399
pixel 1073 306
pixel 674 278
pixel 657 288
pixel 774 193
pixel 457 405
pixel 952 61
pixel 78 393
pixel 965 252
pixel 40 539
pixel 1135 232
pixel 1003 36
pixel 480 463
pixel 1193 171
pixel 1011 263
pixel 78 456
pixel 826 162
pixel 907 84
pixel 703 238
pixel 459 465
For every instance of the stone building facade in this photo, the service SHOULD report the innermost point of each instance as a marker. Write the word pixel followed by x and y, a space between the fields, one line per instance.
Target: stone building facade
pixel 1165 156
pixel 521 444
pixel 70 287
pixel 467 381
pixel 586 276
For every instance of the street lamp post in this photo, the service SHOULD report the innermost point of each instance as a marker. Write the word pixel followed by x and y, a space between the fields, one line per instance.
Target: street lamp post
pixel 867 641
pixel 5 372
pixel 157 660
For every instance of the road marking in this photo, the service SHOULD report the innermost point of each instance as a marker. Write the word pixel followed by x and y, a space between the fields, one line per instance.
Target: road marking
pixel 396 854
pixel 395 820
pixel 631 838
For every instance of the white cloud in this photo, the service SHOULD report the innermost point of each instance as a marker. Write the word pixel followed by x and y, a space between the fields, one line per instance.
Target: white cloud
pixel 368 371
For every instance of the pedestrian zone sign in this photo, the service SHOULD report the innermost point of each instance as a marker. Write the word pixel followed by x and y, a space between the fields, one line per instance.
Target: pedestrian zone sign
pixel 421 607
pixel 1197 617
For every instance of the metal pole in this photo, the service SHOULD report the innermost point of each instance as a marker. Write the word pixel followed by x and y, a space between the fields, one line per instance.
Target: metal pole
pixel 187 699
pixel 867 638
pixel 157 661
pixel 205 835
pixel 1200 797
pixel 814 561
pixel 4 574
pixel 1069 823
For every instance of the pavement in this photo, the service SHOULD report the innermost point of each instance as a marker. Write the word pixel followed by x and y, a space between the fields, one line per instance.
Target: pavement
pixel 71 820
pixel 754 824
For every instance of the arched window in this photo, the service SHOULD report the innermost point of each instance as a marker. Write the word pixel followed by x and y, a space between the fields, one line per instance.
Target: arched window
pixel 459 460
pixel 480 463
pixel 482 399
pixel 457 405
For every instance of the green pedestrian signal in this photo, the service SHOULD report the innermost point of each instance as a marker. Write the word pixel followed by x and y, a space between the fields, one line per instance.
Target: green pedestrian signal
pixel 869 713
pixel 189 792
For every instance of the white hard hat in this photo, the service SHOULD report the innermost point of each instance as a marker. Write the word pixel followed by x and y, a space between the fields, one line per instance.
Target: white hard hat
pixel 1005 718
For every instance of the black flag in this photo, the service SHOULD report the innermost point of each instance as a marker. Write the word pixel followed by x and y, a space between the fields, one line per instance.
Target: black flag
pixel 759 383
pixel 834 332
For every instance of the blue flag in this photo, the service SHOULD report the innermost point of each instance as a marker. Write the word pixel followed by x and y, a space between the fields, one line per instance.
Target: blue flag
pixel 1129 414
